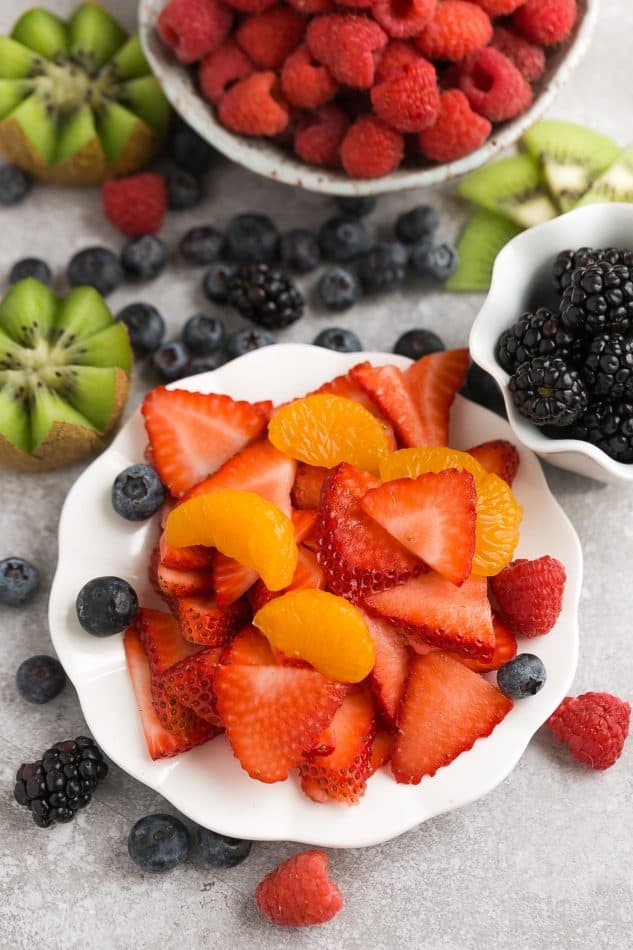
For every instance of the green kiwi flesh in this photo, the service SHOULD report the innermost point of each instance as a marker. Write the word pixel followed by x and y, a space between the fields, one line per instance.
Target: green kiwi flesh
pixel 483 236
pixel 616 184
pixel 513 188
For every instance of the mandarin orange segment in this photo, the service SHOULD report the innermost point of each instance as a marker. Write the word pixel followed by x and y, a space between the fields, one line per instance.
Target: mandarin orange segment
pixel 326 430
pixel 321 628
pixel 497 527
pixel 242 525
pixel 411 463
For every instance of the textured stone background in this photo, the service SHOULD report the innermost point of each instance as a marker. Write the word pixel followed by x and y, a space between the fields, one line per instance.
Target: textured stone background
pixel 545 861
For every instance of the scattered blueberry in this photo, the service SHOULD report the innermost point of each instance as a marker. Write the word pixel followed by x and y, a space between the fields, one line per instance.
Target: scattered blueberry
pixel 335 338
pixel 339 288
pixel 19 580
pixel 220 851
pixel 14 185
pixel 137 493
pixel 247 339
pixel 144 258
pixel 216 281
pixel 299 251
pixel 171 361
pixel 384 266
pixel 433 260
pixel 342 239
pixel 203 334
pixel 480 387
pixel 31 267
pixel 353 207
pixel 106 605
pixel 158 843
pixel 201 246
pixel 40 679
pixel 190 152
pixel 184 190
pixel 523 676
pixel 96 267
pixel 252 237
pixel 416 224
pixel 205 364
pixel 145 326
pixel 417 343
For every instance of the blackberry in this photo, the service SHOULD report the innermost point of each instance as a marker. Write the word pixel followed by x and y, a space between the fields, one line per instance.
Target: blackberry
pixel 548 391
pixel 567 261
pixel 265 296
pixel 61 782
pixel 599 297
pixel 609 426
pixel 541 333
pixel 608 368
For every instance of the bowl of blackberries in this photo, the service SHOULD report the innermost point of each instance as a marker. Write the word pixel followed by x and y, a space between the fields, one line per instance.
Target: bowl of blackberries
pixel 556 333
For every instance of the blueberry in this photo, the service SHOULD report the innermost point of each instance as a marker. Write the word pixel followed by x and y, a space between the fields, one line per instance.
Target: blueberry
pixel 384 266
pixel 19 580
pixel 523 676
pixel 95 267
pixel 342 239
pixel 205 364
pixel 190 152
pixel 14 185
pixel 433 260
pixel 252 237
pixel 247 339
pixel 356 207
pixel 216 281
pixel 106 605
pixel 171 361
pixel 416 224
pixel 184 190
pixel 201 246
pixel 221 851
pixel 480 387
pixel 40 679
pixel 299 251
pixel 144 258
pixel 31 267
pixel 158 843
pixel 137 492
pixel 203 334
pixel 417 343
pixel 339 288
pixel 335 338
pixel 145 326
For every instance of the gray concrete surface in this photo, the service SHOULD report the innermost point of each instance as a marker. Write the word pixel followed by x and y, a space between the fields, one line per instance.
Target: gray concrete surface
pixel 545 861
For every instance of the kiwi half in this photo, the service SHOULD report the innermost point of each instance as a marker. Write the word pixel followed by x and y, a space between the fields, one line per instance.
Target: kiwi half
pixel 78 103
pixel 64 375
pixel 513 188
pixel 481 239
pixel 616 184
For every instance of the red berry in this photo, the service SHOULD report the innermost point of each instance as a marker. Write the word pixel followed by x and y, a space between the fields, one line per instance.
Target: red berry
pixel 304 82
pixel 457 30
pixel 494 86
pixel 371 148
pixel 528 58
pixel 546 21
pixel 136 205
pixel 594 726
pixel 221 68
pixel 299 891
pixel 410 100
pixel 251 6
pixel 254 106
pixel 458 130
pixel 312 6
pixel 499 7
pixel 268 38
pixel 529 594
pixel 498 457
pixel 192 28
pixel 319 136
pixel 394 57
pixel 403 18
pixel 347 45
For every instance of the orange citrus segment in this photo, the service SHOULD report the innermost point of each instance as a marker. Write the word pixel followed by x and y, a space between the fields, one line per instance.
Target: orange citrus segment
pixel 497 527
pixel 323 629
pixel 325 430
pixel 410 463
pixel 242 525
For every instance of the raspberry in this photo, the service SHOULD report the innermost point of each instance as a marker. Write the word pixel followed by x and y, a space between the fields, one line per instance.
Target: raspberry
pixel 546 21
pixel 395 56
pixel 299 891
pixel 371 148
pixel 346 44
pixel 319 136
pixel 355 4
pixel 253 106
pixel 135 205
pixel 403 18
pixel 528 59
pixel 594 726
pixel 251 6
pixel 304 82
pixel 312 6
pixel 192 28
pixel 410 100
pixel 269 37
pixel 457 30
pixel 457 131
pixel 221 68
pixel 529 594
pixel 499 7
pixel 494 86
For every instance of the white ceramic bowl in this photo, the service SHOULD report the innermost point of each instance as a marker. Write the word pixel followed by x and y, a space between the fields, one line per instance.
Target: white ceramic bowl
pixel 207 784
pixel 268 159
pixel 521 280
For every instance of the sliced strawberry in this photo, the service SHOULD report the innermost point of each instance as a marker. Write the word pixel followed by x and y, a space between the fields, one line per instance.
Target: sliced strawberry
pixel 173 583
pixel 306 491
pixel 305 522
pixel 230 579
pixel 273 713
pixel 446 709
pixel 434 381
pixel 168 506
pixel 152 570
pixel 190 682
pixel 433 516
pixel 309 575
pixel 324 744
pixel 341 776
pixel 348 388
pixel 203 622
pixel 421 647
pixel 457 619
pixel 356 554
pixel 381 750
pixel 248 648
pixel 193 434
pixel 389 675
pixel 387 387
pixel 184 559
pixel 498 457
pixel 505 648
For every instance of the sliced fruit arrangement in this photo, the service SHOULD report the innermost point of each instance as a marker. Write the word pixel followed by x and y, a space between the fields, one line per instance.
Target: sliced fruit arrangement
pixel 78 102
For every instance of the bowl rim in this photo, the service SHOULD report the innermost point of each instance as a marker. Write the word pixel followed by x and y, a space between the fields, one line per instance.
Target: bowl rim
pixel 270 162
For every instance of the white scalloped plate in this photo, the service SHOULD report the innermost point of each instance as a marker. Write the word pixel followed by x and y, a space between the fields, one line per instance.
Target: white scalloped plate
pixel 207 784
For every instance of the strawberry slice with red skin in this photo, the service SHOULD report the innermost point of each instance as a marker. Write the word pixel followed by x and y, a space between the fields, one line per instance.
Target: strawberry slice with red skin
pixel 342 775
pixel 348 388
pixel 446 708
pixel 381 750
pixel 356 553
pixel 433 516
pixel 190 682
pixel 434 381
pixel 499 457
pixel 248 648
pixel 173 583
pixel 389 675
pixel 309 575
pixel 203 622
pixel 324 745
pixel 305 522
pixel 387 387
pixel 230 580
pixel 273 713
pixel 193 434
pixel 505 649
pixel 184 559
pixel 308 483
pixel 457 619
pixel 421 647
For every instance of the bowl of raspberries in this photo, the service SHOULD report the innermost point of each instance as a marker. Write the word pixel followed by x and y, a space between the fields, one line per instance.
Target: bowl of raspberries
pixel 556 334
pixel 363 96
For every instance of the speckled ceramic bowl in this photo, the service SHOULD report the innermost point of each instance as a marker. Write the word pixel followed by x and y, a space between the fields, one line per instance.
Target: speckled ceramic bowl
pixel 270 160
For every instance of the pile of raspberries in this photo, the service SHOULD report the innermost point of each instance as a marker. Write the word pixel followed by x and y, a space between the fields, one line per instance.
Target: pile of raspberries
pixel 360 84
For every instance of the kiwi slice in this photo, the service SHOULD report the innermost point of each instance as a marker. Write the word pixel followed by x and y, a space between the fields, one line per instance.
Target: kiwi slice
pixel 64 375
pixel 481 239
pixel 78 102
pixel 513 188
pixel 570 156
pixel 616 184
